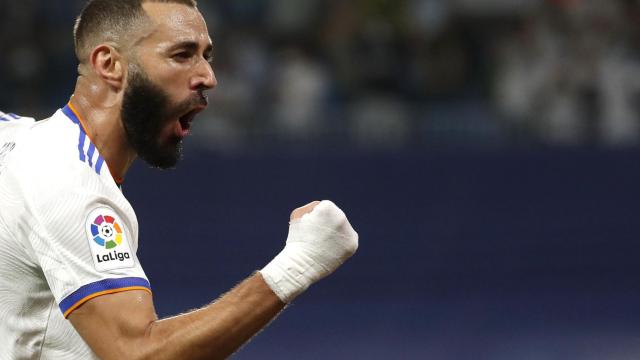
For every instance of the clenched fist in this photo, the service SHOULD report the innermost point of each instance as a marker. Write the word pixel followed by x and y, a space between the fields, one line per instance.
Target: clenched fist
pixel 320 240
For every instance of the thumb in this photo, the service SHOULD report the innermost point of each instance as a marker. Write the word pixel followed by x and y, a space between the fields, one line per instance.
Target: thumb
pixel 299 212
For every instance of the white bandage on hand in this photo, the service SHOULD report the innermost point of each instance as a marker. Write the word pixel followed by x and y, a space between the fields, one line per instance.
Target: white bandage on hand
pixel 318 243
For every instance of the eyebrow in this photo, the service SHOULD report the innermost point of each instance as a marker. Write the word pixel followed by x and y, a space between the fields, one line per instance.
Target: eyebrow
pixel 192 46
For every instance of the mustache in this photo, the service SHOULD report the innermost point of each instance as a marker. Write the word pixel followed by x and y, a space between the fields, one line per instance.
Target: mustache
pixel 195 100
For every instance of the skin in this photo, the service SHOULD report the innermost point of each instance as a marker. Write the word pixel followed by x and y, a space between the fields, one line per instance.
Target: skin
pixel 135 332
pixel 174 49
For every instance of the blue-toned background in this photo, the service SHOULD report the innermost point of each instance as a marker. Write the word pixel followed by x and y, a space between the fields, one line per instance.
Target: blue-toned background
pixel 465 255
pixel 486 151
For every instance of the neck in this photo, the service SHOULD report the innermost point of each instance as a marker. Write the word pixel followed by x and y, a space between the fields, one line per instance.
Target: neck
pixel 98 109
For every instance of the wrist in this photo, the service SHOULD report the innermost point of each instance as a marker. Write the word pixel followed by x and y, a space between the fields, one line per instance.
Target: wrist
pixel 289 274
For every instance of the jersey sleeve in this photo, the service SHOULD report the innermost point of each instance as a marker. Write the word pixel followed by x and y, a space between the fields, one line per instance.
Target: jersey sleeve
pixel 85 242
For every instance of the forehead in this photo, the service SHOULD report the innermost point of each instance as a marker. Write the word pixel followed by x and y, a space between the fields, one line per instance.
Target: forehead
pixel 173 23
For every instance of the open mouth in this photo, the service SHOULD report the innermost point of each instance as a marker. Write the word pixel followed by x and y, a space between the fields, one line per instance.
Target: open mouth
pixel 186 120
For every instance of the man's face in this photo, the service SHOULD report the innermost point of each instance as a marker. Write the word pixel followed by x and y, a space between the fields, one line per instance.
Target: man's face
pixel 146 111
pixel 166 83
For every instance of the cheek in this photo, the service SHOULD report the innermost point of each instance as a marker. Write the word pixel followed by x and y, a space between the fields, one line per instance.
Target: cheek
pixel 175 83
pixel 171 79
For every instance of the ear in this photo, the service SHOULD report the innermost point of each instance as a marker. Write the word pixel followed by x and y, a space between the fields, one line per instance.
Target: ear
pixel 107 63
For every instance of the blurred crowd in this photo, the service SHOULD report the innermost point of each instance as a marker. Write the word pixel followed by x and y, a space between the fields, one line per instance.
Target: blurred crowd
pixel 379 74
pixel 570 73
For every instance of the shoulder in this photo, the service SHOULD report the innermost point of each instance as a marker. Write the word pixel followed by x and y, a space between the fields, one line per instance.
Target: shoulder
pixel 56 163
pixel 59 150
pixel 13 118
pixel 12 126
pixel 52 142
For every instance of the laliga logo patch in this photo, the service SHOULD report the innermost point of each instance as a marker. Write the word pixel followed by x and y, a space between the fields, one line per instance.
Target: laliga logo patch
pixel 106 231
pixel 108 241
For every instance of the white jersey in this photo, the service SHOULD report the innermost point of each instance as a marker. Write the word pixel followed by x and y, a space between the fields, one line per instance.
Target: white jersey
pixel 67 235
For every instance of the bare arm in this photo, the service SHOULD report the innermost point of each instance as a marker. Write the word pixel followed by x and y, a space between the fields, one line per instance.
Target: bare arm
pixel 317 245
pixel 213 332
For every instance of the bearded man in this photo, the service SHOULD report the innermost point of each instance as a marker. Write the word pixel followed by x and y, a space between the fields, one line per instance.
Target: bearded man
pixel 71 284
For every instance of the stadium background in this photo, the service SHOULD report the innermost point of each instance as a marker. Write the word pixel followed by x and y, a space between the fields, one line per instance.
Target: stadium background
pixel 485 150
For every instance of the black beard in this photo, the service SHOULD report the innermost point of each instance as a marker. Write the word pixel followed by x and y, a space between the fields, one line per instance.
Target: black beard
pixel 145 110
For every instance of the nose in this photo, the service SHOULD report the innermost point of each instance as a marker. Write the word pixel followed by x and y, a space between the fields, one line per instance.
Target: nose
pixel 204 78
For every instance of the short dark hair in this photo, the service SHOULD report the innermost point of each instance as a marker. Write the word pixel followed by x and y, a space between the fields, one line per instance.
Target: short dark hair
pixel 104 20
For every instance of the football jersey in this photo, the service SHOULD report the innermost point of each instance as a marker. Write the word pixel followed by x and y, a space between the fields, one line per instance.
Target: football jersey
pixel 67 235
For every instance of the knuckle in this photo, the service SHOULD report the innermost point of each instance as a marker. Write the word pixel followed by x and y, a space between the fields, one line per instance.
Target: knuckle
pixel 330 211
pixel 354 243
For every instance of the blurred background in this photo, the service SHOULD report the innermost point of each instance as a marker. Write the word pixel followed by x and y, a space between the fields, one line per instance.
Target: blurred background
pixel 485 150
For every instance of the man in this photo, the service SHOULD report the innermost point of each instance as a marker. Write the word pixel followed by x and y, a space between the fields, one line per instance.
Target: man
pixel 71 286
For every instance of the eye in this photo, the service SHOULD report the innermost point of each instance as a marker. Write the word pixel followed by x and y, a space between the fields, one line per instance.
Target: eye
pixel 182 56
pixel 208 54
